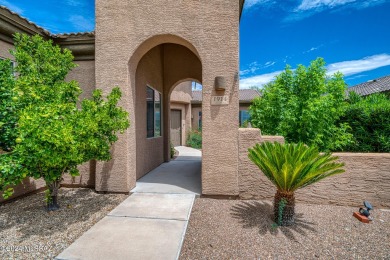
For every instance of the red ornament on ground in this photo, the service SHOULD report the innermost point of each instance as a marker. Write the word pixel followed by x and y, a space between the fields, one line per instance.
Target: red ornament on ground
pixel 361 217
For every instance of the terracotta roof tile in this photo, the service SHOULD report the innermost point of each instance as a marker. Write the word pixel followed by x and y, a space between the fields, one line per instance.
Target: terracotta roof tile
pixel 248 94
pixel 73 34
pixel 372 86
pixel 26 20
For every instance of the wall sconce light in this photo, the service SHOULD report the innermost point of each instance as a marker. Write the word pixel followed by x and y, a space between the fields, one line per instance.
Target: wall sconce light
pixel 220 83
pixel 236 77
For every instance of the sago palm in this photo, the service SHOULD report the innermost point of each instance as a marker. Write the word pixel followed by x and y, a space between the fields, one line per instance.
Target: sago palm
pixel 290 167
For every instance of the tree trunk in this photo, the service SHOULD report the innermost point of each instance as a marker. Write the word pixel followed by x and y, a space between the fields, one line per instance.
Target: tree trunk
pixel 284 208
pixel 52 204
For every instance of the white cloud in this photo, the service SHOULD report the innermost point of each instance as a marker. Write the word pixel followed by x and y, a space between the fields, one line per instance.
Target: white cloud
pixel 365 4
pixel 313 49
pixel 308 8
pixel 356 77
pixel 259 80
pixel 319 4
pixel 12 7
pixel 269 64
pixel 348 68
pixel 252 68
pixel 357 66
pixel 74 2
pixel 255 66
pixel 252 3
pixel 81 23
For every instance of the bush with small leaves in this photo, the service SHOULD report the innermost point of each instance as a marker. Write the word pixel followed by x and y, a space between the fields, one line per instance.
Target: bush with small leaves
pixel 52 134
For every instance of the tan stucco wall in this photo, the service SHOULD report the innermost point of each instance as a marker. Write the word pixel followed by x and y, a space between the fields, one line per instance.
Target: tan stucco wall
pixel 126 30
pixel 28 185
pixel 182 93
pixel 253 185
pixel 149 150
pixel 84 74
pixel 367 177
pixel 86 179
pixel 4 50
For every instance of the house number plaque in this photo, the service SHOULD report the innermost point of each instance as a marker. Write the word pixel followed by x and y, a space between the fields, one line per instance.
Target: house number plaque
pixel 219 100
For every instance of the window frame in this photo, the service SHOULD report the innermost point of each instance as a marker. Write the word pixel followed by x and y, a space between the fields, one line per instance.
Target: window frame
pixel 240 116
pixel 200 122
pixel 13 64
pixel 154 113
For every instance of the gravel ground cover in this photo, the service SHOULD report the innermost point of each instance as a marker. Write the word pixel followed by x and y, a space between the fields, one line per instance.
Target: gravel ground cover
pixel 27 231
pixel 234 229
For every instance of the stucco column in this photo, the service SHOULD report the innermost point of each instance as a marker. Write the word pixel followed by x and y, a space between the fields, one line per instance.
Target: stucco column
pixel 118 174
pixel 220 137
pixel 166 125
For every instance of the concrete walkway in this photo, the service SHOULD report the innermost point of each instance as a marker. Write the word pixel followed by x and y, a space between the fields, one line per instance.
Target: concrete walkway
pixel 179 176
pixel 151 223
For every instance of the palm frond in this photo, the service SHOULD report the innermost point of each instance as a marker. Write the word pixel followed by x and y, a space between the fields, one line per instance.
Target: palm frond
pixel 293 166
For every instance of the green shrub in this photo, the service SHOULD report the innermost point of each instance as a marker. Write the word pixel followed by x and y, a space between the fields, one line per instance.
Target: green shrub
pixel 44 124
pixel 304 105
pixel 194 139
pixel 369 120
pixel 291 167
pixel 8 106
pixel 172 150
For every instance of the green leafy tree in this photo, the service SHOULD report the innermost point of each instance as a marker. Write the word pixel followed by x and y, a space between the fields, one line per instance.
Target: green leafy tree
pixel 54 131
pixel 304 106
pixel 369 119
pixel 194 139
pixel 8 116
pixel 290 167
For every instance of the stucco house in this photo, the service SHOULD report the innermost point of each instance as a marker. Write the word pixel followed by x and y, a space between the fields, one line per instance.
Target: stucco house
pixel 148 48
pixel 147 56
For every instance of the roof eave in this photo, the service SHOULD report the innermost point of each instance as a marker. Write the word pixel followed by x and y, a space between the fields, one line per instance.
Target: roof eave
pixel 241 7
pixel 13 23
pixel 82 45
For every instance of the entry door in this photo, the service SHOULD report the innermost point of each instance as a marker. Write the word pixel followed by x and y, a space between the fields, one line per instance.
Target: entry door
pixel 176 127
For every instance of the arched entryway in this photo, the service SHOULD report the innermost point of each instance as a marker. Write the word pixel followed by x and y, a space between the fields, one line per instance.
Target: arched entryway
pixel 166 61
pixel 155 66
pixel 139 56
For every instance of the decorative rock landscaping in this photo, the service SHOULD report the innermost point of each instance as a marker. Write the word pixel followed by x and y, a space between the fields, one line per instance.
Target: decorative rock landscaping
pixel 27 231
pixel 236 229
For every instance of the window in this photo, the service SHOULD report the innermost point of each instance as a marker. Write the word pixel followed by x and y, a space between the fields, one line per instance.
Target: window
pixel 153 113
pixel 244 117
pixel 13 65
pixel 200 121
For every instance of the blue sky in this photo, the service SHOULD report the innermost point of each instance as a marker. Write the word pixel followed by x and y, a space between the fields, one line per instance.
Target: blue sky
pixel 56 16
pixel 353 36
